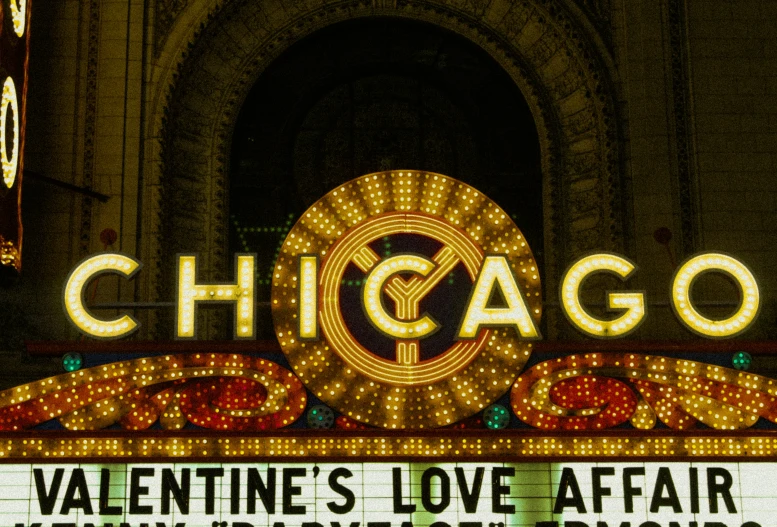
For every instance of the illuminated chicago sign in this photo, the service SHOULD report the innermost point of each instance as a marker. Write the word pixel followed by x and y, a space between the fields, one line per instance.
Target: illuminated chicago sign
pixel 404 340
pixel 462 230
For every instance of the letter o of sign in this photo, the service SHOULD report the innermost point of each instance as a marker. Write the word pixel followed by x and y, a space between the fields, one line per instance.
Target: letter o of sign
pixel 695 266
pixel 10 164
pixel 19 16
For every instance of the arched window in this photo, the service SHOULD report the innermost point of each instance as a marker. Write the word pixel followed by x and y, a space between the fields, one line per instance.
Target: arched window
pixel 371 95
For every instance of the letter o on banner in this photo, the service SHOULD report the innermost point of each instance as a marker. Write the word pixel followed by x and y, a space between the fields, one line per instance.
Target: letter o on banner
pixel 19 16
pixel 10 164
pixel 694 267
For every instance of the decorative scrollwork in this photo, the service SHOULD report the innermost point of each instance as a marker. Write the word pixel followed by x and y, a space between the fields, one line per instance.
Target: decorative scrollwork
pixel 217 391
pixel 597 391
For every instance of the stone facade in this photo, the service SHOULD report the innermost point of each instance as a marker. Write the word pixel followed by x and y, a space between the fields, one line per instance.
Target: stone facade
pixel 650 114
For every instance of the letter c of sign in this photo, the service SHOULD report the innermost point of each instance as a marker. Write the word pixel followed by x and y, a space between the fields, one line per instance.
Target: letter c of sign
pixel 74 295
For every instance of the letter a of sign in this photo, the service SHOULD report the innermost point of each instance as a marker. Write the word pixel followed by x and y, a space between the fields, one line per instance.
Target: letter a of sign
pixel 495 272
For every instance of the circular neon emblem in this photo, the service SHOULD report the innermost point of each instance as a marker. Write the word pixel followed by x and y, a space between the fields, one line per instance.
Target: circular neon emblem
pixel 406 300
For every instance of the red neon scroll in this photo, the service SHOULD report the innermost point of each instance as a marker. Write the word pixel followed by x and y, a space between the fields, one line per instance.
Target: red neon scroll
pixel 218 391
pixel 597 391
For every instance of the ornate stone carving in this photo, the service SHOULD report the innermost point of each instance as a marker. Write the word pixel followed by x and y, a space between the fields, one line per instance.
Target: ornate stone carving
pixel 166 12
pixel 687 176
pixel 541 44
pixel 599 12
pixel 90 118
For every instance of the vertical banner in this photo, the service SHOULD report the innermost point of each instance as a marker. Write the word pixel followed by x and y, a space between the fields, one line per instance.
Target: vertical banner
pixel 14 53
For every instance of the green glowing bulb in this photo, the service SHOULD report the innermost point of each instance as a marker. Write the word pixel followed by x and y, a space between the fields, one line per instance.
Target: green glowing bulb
pixel 742 360
pixel 321 416
pixel 72 361
pixel 496 417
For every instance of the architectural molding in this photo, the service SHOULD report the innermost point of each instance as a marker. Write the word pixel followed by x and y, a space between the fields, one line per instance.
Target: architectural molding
pixel 90 120
pixel 682 110
pixel 599 13
pixel 167 11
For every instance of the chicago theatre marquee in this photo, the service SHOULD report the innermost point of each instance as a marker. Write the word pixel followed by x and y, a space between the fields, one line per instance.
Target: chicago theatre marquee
pixel 415 365
pixel 466 344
